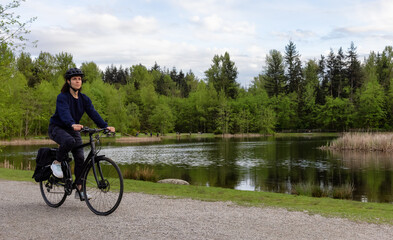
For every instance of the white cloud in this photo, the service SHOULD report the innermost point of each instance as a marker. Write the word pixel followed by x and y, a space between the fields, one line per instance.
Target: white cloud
pixel 201 7
pixel 195 19
pixel 296 35
pixel 186 34
pixel 217 32
pixel 111 24
pixel 213 23
pixel 368 19
pixel 216 24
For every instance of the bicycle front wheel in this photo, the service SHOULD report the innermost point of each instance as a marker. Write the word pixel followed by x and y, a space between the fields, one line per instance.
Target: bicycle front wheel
pixel 104 196
pixel 53 192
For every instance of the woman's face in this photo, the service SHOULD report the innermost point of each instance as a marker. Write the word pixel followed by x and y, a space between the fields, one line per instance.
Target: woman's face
pixel 75 82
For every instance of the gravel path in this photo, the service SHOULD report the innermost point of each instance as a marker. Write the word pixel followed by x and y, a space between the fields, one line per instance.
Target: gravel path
pixel 24 215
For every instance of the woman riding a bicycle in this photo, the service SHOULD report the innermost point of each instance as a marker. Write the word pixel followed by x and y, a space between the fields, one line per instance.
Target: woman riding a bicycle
pixel 64 125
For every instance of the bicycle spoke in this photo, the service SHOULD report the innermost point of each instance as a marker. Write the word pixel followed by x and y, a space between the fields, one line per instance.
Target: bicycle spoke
pixel 105 196
pixel 53 193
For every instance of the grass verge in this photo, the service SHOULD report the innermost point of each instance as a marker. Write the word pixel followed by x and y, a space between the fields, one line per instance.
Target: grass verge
pixel 381 213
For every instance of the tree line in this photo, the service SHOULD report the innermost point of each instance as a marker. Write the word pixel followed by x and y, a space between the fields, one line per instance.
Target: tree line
pixel 335 92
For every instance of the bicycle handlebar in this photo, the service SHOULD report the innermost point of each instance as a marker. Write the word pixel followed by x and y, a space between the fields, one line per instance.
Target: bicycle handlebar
pixel 95 130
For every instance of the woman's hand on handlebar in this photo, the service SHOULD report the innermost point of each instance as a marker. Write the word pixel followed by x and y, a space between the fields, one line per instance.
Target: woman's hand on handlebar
pixel 111 129
pixel 77 127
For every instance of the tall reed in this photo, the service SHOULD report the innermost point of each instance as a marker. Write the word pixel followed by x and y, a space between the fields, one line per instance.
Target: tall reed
pixel 141 173
pixel 362 142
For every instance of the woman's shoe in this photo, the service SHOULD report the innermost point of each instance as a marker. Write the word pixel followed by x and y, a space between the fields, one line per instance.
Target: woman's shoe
pixel 56 169
pixel 82 196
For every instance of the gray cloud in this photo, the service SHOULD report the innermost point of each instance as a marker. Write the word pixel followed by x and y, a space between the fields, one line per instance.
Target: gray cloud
pixel 339 33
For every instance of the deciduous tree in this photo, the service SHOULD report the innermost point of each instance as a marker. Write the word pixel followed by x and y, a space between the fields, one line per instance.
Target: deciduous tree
pixel 14 31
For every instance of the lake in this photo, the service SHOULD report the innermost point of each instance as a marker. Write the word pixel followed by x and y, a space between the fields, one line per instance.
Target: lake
pixel 284 165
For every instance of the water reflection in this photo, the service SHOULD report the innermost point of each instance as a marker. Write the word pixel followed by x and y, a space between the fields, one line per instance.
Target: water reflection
pixel 364 160
pixel 263 164
pixel 370 172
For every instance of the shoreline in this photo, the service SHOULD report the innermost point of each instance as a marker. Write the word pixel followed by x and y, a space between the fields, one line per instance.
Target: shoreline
pixel 46 141
pixel 25 142
pixel 131 139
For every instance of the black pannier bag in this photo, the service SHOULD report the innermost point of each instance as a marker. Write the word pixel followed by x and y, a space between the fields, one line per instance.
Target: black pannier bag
pixel 44 159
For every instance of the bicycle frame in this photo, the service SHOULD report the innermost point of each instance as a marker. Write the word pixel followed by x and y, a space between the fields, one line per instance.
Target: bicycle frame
pixel 90 159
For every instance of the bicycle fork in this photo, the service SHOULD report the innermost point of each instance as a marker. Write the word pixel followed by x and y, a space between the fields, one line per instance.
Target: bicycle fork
pixel 101 182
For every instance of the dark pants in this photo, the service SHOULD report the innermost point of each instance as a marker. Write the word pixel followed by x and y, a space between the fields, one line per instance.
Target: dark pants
pixel 68 139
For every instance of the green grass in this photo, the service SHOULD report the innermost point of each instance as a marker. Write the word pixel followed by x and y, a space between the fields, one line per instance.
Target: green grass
pixel 381 213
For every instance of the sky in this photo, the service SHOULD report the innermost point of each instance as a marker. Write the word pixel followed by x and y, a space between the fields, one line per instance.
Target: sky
pixel 187 34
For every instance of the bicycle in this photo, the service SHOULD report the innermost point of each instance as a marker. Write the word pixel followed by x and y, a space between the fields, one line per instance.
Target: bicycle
pixel 101 180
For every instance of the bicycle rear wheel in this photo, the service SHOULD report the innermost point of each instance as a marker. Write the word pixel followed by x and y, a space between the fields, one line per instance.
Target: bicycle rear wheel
pixel 104 197
pixel 53 192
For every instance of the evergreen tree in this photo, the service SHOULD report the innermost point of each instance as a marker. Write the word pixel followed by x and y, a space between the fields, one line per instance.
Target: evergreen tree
pixel 110 74
pixel 181 82
pixel 294 68
pixel 155 67
pixel 331 73
pixel 117 76
pixel 163 83
pixel 192 84
pixel 384 67
pixel 274 79
pixel 223 73
pixel 336 68
pixel 341 80
pixel 123 76
pixel 353 70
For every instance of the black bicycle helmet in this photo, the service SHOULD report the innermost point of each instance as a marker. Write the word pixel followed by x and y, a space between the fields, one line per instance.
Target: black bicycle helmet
pixel 73 72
